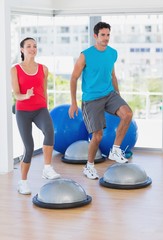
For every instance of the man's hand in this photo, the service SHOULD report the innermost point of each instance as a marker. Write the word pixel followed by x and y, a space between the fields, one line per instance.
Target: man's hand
pixel 73 109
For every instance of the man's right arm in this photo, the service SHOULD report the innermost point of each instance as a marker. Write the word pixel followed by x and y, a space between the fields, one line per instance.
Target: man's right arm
pixel 78 68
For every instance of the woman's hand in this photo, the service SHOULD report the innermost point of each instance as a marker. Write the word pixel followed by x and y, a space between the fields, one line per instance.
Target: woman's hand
pixel 29 93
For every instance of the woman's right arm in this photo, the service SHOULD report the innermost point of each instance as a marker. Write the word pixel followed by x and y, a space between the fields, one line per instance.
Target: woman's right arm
pixel 15 86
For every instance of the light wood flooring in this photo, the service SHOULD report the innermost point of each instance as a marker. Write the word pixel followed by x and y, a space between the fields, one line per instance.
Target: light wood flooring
pixel 113 214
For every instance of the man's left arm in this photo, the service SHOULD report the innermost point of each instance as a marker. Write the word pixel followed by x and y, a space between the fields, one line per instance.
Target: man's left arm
pixel 115 81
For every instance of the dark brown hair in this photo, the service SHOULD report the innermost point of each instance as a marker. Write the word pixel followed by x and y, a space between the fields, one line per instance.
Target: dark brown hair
pixel 22 45
pixel 101 25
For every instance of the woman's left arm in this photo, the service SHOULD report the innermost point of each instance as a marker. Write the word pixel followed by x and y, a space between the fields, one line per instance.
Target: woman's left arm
pixel 45 80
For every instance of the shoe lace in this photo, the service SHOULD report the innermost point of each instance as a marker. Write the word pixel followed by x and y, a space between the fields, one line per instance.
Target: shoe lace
pixel 92 170
pixel 50 170
pixel 124 151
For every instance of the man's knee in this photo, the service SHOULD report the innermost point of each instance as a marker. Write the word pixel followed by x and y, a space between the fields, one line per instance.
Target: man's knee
pixel 125 113
pixel 97 136
pixel 129 115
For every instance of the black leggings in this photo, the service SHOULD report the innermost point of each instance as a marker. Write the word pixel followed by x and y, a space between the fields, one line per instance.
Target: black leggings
pixel 41 118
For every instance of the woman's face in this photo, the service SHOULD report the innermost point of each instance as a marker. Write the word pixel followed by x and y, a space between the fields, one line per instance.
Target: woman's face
pixel 29 49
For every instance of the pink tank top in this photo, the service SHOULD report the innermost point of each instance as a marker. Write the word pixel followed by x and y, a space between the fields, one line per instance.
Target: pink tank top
pixel 27 81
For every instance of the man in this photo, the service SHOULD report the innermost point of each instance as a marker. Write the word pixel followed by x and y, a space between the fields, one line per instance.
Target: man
pixel 100 93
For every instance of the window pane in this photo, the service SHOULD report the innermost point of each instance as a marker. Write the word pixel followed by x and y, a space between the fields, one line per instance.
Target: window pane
pixel 138 40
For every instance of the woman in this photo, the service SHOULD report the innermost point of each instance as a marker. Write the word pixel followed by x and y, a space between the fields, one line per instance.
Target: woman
pixel 29 83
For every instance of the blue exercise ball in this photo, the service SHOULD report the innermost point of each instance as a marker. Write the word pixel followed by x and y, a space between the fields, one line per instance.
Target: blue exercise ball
pixel 109 134
pixel 67 130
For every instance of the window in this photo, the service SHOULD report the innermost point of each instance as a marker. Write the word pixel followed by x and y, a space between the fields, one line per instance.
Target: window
pixel 148 28
pixel 65 39
pixel 138 40
pixel 141 75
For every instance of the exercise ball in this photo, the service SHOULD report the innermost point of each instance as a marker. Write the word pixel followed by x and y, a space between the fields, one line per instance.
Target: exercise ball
pixel 61 193
pixel 77 152
pixel 67 130
pixel 109 134
pixel 125 176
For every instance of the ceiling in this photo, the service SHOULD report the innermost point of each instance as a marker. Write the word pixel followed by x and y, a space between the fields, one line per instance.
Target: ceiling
pixel 91 6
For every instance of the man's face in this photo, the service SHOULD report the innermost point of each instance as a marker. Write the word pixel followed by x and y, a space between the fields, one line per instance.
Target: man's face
pixel 103 36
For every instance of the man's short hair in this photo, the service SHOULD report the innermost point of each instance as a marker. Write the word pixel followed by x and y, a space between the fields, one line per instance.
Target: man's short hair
pixel 101 25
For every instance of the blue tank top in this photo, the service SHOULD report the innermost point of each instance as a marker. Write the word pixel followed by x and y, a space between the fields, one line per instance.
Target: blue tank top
pixel 97 74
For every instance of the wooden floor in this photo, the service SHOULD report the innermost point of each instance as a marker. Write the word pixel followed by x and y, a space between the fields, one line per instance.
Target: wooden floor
pixel 112 215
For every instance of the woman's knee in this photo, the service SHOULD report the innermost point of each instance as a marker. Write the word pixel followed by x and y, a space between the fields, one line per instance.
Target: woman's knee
pixel 28 154
pixel 49 137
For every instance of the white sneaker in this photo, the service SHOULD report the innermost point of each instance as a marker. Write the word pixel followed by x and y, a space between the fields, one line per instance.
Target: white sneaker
pixel 117 155
pixel 50 173
pixel 23 187
pixel 90 172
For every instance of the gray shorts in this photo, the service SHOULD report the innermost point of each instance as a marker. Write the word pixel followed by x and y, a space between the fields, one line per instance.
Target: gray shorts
pixel 93 111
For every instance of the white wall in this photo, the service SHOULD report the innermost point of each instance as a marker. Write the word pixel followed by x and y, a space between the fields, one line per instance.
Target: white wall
pixel 6 154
